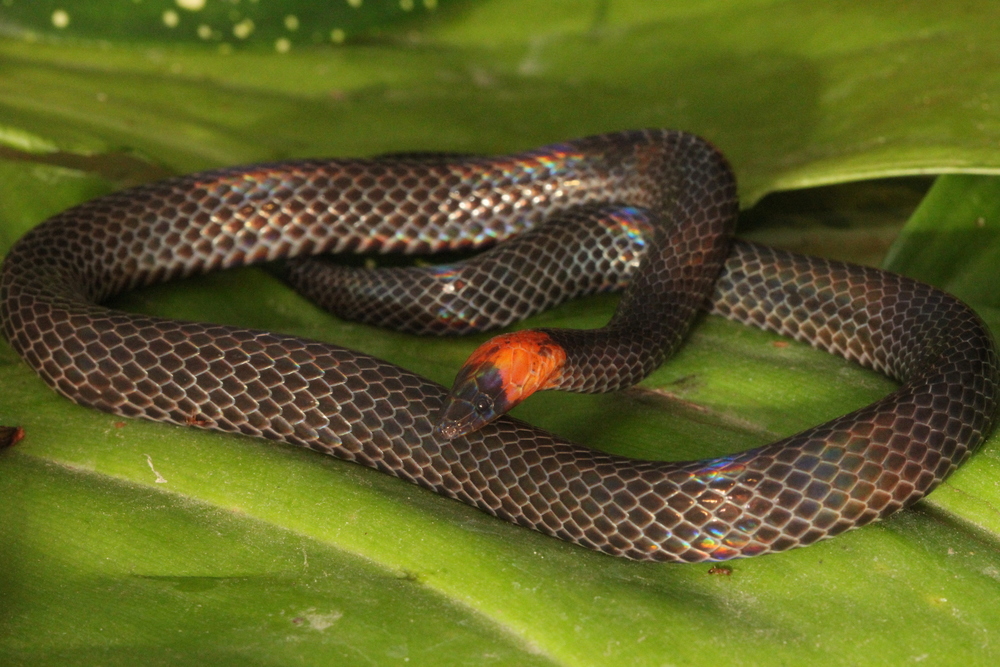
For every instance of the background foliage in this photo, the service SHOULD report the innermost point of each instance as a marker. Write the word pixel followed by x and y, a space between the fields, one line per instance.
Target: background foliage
pixel 124 541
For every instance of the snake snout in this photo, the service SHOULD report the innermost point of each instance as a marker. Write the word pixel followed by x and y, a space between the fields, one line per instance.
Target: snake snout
pixel 477 398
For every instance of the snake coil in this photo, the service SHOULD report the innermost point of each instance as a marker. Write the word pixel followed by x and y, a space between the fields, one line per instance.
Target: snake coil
pixel 812 485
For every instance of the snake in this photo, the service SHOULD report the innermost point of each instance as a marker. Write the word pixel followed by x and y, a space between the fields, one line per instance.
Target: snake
pixel 667 200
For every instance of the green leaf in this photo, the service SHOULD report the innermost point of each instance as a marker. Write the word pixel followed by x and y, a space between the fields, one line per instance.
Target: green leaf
pixel 130 542
pixel 953 239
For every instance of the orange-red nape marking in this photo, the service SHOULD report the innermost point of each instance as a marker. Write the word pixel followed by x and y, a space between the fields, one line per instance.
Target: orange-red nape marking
pixel 526 361
pixel 501 373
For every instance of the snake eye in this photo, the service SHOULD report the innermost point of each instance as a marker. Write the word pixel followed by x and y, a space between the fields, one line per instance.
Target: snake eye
pixel 484 405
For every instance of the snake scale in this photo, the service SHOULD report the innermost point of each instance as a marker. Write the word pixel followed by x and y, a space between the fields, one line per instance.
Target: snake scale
pixel 675 188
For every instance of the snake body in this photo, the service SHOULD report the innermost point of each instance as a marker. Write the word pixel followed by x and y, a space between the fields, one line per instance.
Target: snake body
pixel 806 487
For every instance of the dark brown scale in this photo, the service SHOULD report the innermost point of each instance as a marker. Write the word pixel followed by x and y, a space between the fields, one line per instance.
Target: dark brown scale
pixel 581 251
pixel 813 485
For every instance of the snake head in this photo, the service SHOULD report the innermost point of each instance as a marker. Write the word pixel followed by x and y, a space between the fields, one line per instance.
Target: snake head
pixel 476 399
pixel 498 375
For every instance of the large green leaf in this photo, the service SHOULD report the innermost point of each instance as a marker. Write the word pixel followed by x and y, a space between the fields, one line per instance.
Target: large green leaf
pixel 127 542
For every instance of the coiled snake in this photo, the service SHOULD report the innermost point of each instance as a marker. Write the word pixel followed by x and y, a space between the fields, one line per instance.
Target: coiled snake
pixel 671 194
